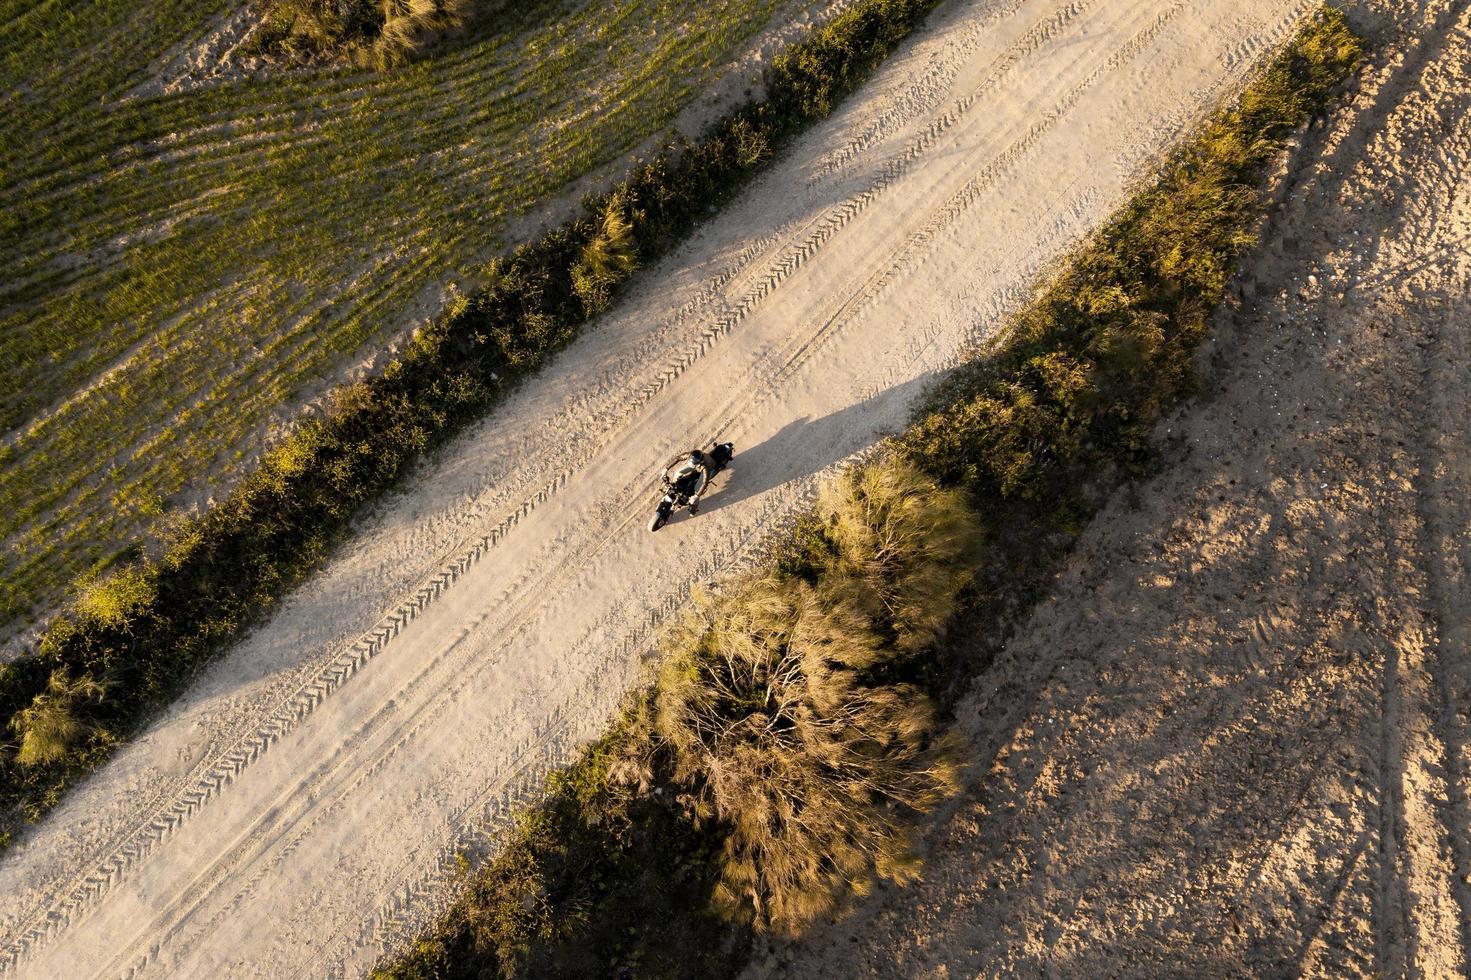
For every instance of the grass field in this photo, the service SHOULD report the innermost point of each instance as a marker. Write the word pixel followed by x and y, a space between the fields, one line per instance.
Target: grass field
pixel 176 272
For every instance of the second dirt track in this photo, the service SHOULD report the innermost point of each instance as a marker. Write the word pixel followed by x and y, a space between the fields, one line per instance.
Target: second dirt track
pixel 300 811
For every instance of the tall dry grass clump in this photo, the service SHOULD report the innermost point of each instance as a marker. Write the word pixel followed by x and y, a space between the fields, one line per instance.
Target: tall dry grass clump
pixel 374 33
pixel 52 725
pixel 767 708
pixel 905 547
pixel 409 25
pixel 608 258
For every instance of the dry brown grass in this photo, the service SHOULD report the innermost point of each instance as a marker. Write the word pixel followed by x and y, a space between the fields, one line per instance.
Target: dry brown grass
pixel 374 33
pixel 811 770
pixel 609 258
pixel 905 547
pixel 51 726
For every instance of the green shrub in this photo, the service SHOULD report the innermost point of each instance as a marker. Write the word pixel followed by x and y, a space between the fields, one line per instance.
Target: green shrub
pixel 752 146
pixel 114 601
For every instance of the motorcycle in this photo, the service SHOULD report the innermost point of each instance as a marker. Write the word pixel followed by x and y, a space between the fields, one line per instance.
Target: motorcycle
pixel 719 455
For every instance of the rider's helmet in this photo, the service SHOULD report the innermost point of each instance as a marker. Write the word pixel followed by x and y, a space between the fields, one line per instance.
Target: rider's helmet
pixel 697 458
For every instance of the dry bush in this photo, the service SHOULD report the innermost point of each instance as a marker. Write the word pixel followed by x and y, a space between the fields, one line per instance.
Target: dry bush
pixel 51 726
pixel 380 34
pixel 610 257
pixel 410 25
pixel 811 772
pixel 905 547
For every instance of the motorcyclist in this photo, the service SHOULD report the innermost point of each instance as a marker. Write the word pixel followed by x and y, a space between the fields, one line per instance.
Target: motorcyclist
pixel 691 478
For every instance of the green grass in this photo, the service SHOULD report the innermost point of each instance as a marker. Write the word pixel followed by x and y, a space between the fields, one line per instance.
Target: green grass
pixel 1035 433
pixel 175 271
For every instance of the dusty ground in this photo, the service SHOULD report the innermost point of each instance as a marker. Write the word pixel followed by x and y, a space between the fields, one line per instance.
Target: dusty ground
pixel 1233 742
pixel 299 811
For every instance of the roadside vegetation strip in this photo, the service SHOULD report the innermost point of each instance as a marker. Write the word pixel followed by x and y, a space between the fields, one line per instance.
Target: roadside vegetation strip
pixel 178 273
pixel 142 631
pixel 772 771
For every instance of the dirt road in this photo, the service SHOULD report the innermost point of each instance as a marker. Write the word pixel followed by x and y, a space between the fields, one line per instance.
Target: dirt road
pixel 1234 741
pixel 300 811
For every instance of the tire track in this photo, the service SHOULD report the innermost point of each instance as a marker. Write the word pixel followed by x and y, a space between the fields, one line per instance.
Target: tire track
pixel 1443 493
pixel 961 201
pixel 1423 903
pixel 821 229
pixel 1441 487
pixel 921 97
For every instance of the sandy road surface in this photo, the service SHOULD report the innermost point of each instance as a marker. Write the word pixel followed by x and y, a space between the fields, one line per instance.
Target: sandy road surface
pixel 299 811
pixel 1234 742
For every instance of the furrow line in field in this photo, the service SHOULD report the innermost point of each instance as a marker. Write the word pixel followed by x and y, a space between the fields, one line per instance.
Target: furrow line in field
pixel 462 85
pixel 1029 43
pixel 291 354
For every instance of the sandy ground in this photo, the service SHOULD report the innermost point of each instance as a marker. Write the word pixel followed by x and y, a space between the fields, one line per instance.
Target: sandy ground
pixel 299 811
pixel 1234 741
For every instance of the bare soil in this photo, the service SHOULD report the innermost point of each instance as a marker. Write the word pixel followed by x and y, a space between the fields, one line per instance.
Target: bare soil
pixel 1233 741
